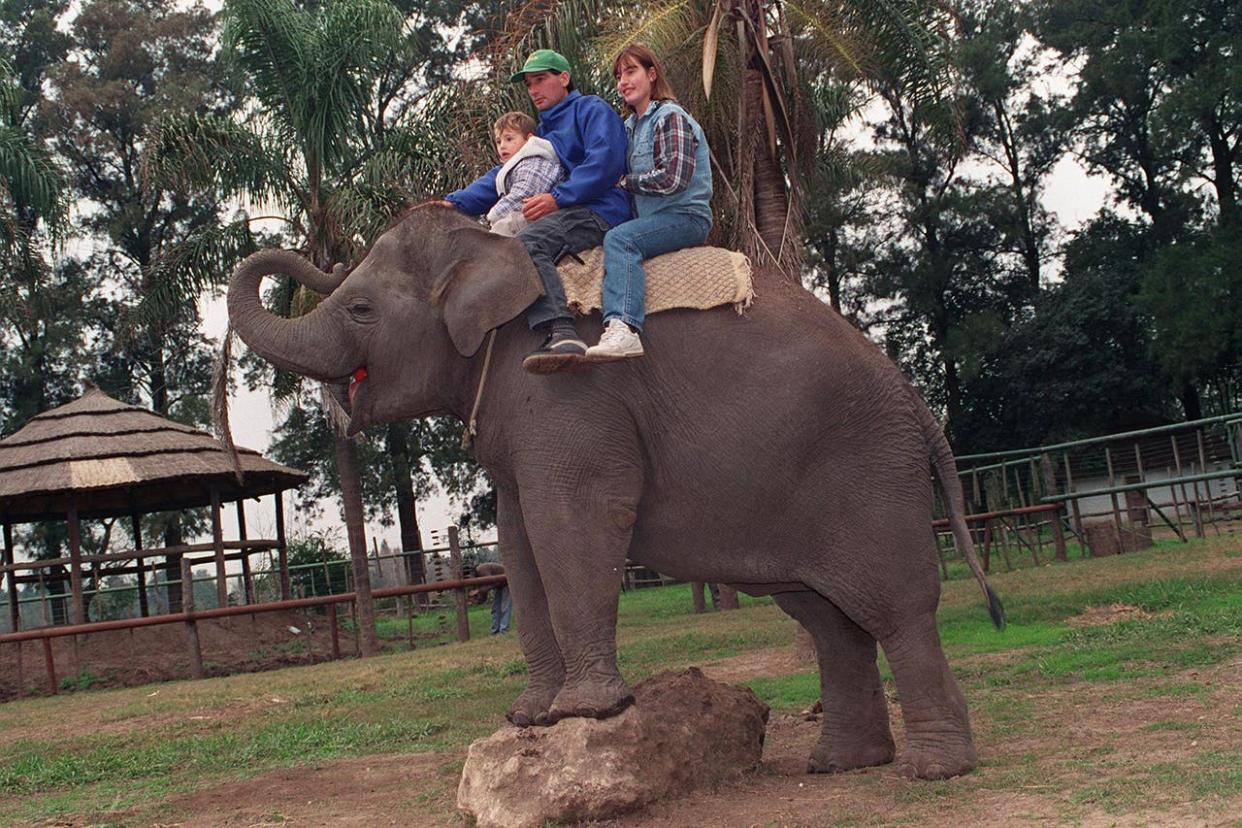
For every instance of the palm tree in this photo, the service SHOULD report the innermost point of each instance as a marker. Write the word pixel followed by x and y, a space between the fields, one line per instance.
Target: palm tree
pixel 32 189
pixel 296 155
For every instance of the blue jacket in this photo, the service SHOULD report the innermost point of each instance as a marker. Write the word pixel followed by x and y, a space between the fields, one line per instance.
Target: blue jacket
pixel 590 140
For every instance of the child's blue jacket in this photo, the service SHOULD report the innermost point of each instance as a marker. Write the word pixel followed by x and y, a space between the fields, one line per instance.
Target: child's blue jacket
pixel 589 138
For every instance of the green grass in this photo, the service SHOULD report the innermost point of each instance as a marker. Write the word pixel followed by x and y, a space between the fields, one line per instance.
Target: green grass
pixel 121 751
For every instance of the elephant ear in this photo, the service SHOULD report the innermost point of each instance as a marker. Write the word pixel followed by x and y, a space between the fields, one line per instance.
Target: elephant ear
pixel 486 281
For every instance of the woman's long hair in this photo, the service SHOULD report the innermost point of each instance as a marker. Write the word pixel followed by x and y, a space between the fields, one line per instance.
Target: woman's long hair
pixel 639 54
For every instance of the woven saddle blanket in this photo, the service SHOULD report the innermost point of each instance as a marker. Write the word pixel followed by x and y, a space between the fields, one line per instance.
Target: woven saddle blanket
pixel 693 277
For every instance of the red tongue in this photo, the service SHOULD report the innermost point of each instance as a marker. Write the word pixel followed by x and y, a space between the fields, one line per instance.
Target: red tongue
pixel 355 381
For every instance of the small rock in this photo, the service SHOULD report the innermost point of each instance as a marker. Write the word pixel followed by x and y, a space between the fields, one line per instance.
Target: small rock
pixel 685 731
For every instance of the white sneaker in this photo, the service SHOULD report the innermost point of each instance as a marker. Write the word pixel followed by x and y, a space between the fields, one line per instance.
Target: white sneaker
pixel 618 342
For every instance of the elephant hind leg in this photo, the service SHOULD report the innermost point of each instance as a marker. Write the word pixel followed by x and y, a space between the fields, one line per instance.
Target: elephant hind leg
pixel 856 731
pixel 938 740
pixel 534 626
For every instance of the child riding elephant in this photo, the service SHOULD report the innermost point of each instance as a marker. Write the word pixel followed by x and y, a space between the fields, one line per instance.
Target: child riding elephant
pixel 590 142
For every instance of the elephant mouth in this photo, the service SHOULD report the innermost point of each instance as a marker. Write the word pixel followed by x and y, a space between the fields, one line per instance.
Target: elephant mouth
pixel 355 384
pixel 356 380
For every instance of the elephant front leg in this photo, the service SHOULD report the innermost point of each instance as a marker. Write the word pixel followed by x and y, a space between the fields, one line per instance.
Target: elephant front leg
pixel 534 625
pixel 581 549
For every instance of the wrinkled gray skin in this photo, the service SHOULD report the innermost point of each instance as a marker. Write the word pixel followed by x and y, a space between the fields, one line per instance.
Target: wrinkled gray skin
pixel 780 452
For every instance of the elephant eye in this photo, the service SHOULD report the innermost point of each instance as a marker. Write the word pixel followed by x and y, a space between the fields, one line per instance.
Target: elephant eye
pixel 360 309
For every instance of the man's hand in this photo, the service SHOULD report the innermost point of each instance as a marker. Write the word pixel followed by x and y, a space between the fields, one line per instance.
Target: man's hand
pixel 536 207
pixel 448 204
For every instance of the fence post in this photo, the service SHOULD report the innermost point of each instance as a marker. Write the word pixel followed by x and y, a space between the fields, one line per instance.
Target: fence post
pixel 696 597
pixel 1207 484
pixel 459 594
pixel 336 636
pixel 1050 488
pixel 50 663
pixel 191 626
pixel 1195 509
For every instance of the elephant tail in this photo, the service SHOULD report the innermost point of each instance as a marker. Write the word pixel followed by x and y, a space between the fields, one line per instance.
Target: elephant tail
pixel 945 469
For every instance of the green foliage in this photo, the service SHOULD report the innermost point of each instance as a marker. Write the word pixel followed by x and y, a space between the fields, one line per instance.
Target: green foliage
pixel 1083 363
pixel 1193 292
pixel 84 680
pixel 317 566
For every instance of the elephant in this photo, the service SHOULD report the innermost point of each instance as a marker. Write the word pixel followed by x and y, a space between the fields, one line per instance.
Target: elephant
pixel 780 452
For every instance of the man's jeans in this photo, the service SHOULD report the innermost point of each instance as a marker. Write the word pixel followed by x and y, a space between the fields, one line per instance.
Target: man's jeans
pixel 557 234
pixel 502 609
pixel 625 247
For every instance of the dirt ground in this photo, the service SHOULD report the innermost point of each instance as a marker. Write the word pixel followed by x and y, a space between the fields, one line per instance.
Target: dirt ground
pixel 127 658
pixel 410 789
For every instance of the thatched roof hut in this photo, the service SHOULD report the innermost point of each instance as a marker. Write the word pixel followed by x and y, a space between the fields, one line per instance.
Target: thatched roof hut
pixel 116 459
pixel 100 458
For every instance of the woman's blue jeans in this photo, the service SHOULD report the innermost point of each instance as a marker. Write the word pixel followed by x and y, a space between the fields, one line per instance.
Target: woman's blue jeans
pixel 625 247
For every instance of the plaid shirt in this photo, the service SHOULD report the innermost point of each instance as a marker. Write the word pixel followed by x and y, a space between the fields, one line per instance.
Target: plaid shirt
pixel 673 151
pixel 529 177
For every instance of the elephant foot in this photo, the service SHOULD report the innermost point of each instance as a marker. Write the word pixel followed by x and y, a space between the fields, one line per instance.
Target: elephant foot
pixel 936 763
pixel 830 756
pixel 531 708
pixel 593 699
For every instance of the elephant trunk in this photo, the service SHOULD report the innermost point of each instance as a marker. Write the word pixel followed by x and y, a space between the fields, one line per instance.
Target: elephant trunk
pixel 314 345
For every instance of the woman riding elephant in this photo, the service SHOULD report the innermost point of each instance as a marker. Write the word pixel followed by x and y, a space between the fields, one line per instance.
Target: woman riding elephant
pixel 670 180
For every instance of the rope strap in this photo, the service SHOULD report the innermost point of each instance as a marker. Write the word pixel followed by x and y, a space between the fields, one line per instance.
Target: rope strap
pixel 472 429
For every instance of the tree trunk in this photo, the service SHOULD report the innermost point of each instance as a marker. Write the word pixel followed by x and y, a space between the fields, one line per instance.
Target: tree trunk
pixel 1222 172
pixel 771 195
pixel 1191 405
pixel 351 497
pixel 407 516
pixel 728 598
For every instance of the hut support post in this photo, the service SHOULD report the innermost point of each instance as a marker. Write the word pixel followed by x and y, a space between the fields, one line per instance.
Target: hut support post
pixel 15 610
pixel 1050 488
pixel 191 626
pixel 10 578
pixel 282 551
pixel 459 594
pixel 75 565
pixel 247 577
pixel 136 525
pixel 217 539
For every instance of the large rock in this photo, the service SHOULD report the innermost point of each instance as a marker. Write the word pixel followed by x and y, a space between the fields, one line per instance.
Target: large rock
pixel 684 731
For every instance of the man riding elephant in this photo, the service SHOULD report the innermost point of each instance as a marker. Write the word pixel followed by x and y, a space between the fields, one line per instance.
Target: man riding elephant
pixel 591 143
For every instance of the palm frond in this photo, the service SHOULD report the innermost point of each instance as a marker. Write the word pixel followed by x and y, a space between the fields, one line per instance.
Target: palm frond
pixel 271 40
pixel 202 260
pixel 28 176
pixel 348 45
pixel 189 152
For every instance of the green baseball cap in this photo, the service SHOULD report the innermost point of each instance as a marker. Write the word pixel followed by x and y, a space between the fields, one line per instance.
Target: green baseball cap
pixel 542 60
